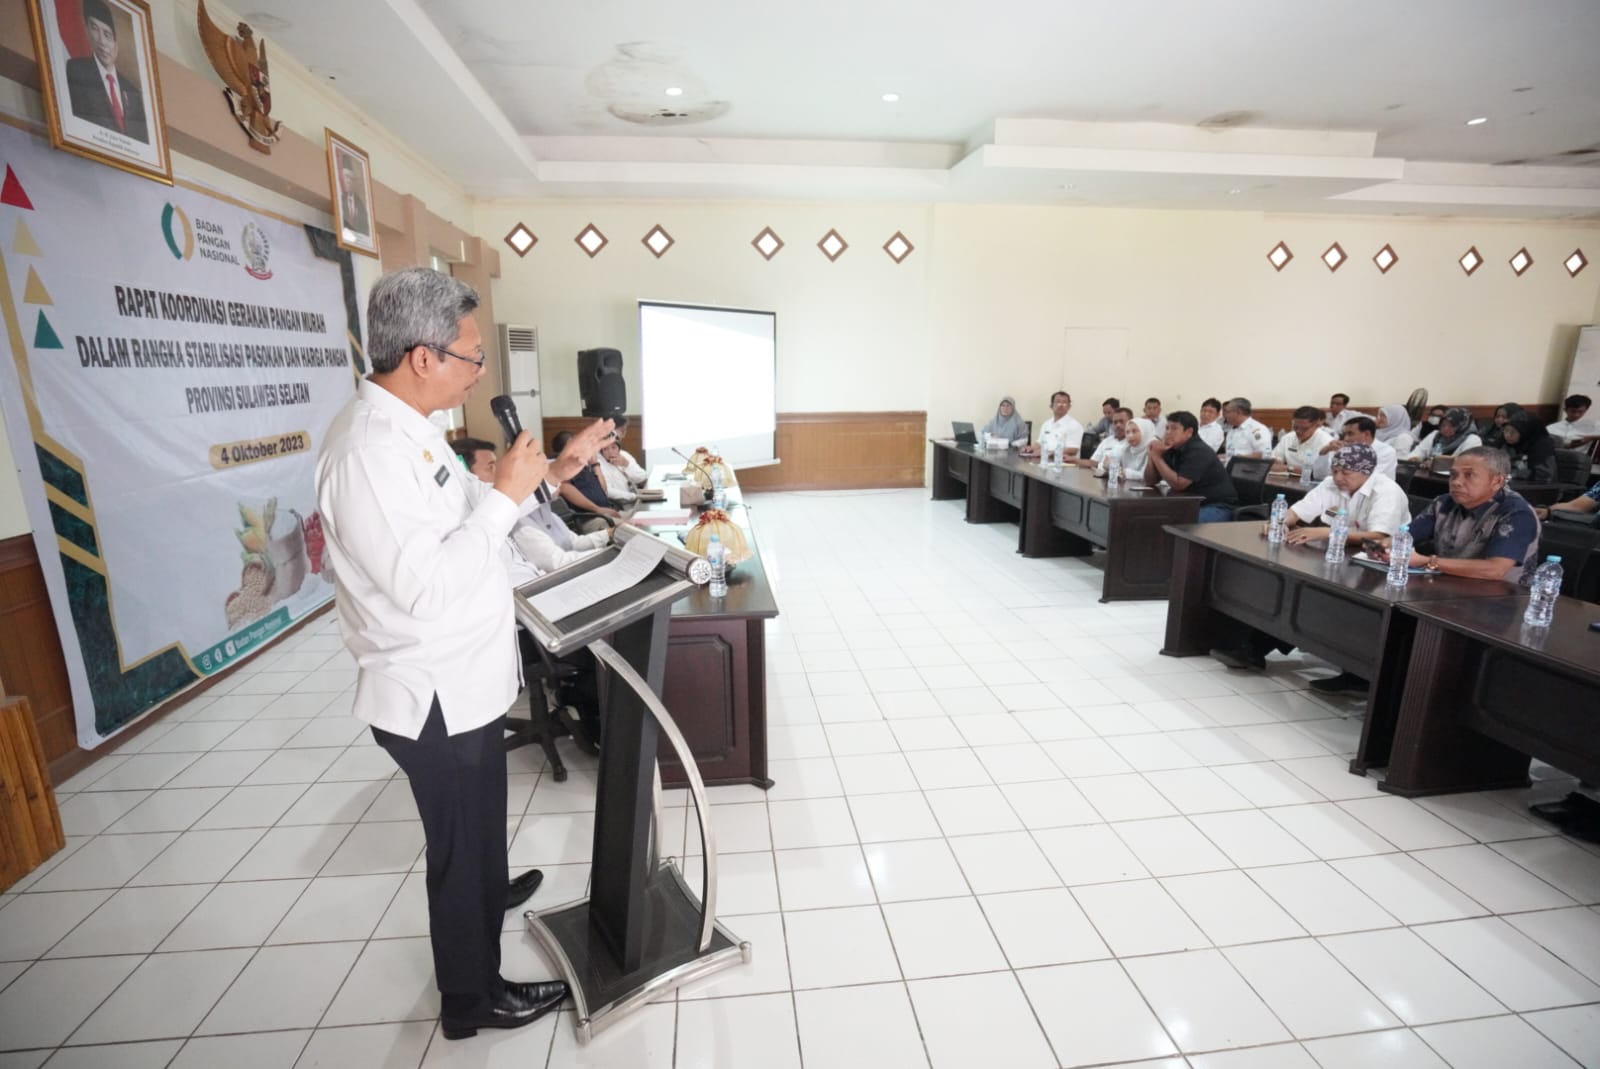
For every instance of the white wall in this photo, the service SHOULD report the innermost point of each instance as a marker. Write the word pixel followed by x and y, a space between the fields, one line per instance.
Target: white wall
pixel 982 306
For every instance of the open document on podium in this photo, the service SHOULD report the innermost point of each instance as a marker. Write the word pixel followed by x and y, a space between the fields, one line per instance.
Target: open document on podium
pixel 638 559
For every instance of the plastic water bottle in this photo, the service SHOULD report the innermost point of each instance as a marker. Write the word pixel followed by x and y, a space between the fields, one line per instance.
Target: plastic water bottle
pixel 1114 472
pixel 1047 449
pixel 1276 525
pixel 719 495
pixel 716 555
pixel 1337 534
pixel 1546 589
pixel 1400 557
pixel 1306 478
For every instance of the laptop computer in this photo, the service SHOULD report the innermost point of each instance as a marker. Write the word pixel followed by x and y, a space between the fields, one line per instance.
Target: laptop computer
pixel 965 435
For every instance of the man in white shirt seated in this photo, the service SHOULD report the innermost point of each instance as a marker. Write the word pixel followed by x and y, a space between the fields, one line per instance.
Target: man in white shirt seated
pixel 1212 430
pixel 1358 430
pixel 423 593
pixel 1247 436
pixel 1338 405
pixel 1309 438
pixel 1577 428
pixel 541 541
pixel 1108 409
pixel 620 475
pixel 1109 444
pixel 1152 412
pixel 1060 428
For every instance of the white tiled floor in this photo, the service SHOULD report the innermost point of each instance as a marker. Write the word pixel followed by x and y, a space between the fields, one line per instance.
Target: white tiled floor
pixel 1005 833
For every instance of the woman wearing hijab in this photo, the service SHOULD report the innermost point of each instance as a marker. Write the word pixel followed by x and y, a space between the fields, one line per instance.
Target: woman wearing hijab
pixel 1006 424
pixel 1494 437
pixel 1533 451
pixel 1394 429
pixel 1133 450
pixel 1455 433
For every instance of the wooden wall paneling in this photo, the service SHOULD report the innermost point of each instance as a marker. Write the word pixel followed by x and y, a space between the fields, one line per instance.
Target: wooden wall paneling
pixel 30 823
pixel 32 664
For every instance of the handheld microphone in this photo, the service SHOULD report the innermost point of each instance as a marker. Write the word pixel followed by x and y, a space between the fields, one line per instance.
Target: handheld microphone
pixel 505 413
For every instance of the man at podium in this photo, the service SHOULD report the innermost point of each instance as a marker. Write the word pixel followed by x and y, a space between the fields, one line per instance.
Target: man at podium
pixel 424 599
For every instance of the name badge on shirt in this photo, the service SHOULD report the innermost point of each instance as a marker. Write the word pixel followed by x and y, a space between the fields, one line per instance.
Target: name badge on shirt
pixel 442 476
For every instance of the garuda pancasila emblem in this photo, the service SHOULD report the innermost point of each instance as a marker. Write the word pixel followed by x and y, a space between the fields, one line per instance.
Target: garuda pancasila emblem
pixel 241 62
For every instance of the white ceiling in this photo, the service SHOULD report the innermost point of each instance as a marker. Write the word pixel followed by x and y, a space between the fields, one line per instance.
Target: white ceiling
pixel 1326 106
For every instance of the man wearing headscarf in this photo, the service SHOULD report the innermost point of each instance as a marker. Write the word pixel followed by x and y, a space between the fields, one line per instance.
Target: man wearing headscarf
pixel 1007 424
pixel 1455 435
pixel 1394 428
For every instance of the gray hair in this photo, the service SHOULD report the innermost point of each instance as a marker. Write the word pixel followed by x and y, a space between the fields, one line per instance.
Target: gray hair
pixel 1240 403
pixel 411 307
pixel 1498 461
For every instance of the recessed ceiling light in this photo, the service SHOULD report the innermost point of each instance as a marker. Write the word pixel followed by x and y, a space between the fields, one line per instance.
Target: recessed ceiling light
pixel 674 91
pixel 891 98
pixel 1479 121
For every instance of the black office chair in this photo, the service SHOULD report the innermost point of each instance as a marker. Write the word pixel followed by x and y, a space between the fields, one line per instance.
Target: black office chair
pixel 1419 503
pixel 1249 475
pixel 1540 495
pixel 1091 442
pixel 1578 546
pixel 1404 470
pixel 1572 467
pixel 543 724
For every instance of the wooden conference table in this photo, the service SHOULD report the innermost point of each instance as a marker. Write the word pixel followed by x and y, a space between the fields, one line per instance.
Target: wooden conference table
pixel 716 677
pixel 1067 513
pixel 1460 696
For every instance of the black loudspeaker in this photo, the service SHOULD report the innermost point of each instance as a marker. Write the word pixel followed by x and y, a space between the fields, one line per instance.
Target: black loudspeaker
pixel 600 383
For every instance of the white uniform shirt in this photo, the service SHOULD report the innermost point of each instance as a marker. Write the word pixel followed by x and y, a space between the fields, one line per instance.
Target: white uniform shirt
pixel 1068 432
pixel 1567 431
pixel 421 573
pixel 542 552
pixel 1104 449
pixel 1388 460
pixel 1213 434
pixel 1379 507
pixel 1292 451
pixel 622 480
pixel 1428 448
pixel 1251 436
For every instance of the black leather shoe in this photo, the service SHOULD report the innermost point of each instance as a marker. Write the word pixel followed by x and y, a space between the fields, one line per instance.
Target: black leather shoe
pixel 1240 657
pixel 1339 684
pixel 521 889
pixel 515 1006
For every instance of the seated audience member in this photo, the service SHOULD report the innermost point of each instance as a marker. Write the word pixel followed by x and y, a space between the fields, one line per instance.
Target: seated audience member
pixel 1006 424
pixel 1429 425
pixel 1375 506
pixel 584 494
pixel 1455 435
pixel 1119 428
pixel 1584 503
pixel 477 456
pixel 1394 428
pixel 1152 411
pixel 540 542
pixel 1190 467
pixel 1108 409
pixel 1247 436
pixel 1359 430
pixel 1212 431
pixel 1338 405
pixel 1481 529
pixel 1531 448
pixel 1304 443
pixel 1060 428
pixel 620 475
pixel 1133 451
pixel 1577 428
pixel 1494 435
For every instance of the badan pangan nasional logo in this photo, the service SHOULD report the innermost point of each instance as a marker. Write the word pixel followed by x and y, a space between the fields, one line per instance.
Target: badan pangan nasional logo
pixel 257 251
pixel 179 233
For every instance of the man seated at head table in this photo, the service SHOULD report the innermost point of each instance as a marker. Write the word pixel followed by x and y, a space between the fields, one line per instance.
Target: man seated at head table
pixel 1060 428
pixel 540 541
pixel 1375 506
pixel 1190 467
pixel 1577 428
pixel 1109 443
pixel 620 475
pixel 1213 431
pixel 1247 436
pixel 1481 529
pixel 1307 439
pixel 585 496
pixel 1359 430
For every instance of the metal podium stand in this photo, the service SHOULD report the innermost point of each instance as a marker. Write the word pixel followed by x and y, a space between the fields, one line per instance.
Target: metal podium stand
pixel 641 932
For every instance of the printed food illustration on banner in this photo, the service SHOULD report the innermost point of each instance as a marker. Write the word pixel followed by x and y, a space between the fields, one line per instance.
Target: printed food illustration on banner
pixel 175 361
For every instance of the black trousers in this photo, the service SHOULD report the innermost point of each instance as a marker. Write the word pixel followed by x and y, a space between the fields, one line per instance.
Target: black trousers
pixel 459 783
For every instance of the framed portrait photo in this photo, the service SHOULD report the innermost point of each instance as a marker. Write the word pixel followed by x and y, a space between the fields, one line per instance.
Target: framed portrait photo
pixel 350 185
pixel 102 92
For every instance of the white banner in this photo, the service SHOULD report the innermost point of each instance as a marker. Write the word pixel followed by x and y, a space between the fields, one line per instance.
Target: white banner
pixel 175 361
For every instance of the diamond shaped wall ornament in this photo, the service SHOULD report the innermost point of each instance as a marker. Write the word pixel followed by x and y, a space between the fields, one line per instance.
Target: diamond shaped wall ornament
pixel 1280 256
pixel 1520 261
pixel 898 247
pixel 658 241
pixel 832 245
pixel 767 243
pixel 1386 258
pixel 1334 257
pixel 1470 260
pixel 591 241
pixel 1575 263
pixel 521 239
